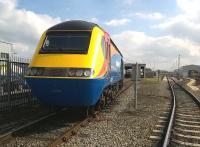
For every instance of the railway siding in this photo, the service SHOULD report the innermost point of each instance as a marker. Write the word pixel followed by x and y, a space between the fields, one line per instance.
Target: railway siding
pixel 182 128
pixel 187 125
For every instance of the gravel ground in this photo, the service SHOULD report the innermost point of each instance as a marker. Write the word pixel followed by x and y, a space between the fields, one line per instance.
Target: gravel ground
pixel 122 125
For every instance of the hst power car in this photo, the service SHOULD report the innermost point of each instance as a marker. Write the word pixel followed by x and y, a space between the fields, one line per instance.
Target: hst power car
pixel 76 63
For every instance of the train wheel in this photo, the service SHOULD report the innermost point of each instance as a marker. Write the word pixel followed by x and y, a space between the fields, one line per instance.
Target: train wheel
pixel 110 94
pixel 92 111
pixel 86 111
pixel 114 91
pixel 107 97
pixel 102 102
pixel 98 107
pixel 118 87
pixel 121 85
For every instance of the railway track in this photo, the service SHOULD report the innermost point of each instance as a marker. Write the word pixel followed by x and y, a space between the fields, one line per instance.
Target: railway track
pixel 181 127
pixel 50 131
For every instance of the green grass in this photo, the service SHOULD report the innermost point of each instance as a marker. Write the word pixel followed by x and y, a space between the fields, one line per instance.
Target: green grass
pixel 151 80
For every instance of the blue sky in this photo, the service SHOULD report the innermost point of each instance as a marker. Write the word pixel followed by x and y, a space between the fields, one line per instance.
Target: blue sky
pixel 104 11
pixel 148 31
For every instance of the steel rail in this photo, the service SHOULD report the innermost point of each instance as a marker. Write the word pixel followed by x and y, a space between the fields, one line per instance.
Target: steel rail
pixel 72 131
pixel 171 120
pixel 9 135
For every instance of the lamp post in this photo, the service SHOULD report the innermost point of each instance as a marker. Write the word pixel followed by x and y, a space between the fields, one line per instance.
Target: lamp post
pixel 179 66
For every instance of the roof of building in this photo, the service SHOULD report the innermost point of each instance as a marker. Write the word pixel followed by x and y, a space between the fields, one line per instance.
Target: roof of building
pixel 190 67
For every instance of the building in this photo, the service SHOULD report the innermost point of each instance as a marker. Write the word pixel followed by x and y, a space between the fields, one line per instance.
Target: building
pixel 190 71
pixel 130 68
pixel 6 49
pixel 149 73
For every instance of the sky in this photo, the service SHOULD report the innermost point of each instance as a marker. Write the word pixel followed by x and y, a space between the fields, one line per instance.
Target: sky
pixel 154 32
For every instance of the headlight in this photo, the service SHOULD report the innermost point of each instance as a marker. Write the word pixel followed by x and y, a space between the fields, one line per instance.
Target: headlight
pixel 40 71
pixel 79 72
pixel 87 72
pixel 33 72
pixel 71 72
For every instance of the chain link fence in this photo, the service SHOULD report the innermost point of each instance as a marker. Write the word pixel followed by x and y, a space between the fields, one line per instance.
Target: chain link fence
pixel 14 91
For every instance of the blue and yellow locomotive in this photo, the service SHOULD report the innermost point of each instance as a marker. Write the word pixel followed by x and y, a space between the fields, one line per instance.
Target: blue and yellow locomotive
pixel 75 64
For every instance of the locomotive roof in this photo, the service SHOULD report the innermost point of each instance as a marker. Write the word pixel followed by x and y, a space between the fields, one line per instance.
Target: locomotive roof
pixel 74 25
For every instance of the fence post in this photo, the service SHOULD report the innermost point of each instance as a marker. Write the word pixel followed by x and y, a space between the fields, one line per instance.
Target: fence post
pixel 9 81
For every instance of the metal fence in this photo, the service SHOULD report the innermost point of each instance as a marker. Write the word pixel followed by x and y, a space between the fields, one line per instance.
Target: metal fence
pixel 14 91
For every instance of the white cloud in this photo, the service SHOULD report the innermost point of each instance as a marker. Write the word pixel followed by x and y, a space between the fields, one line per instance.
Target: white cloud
pixel 184 25
pixel 117 22
pixel 151 16
pixel 159 51
pixel 22 27
pixel 181 27
pixel 94 20
pixel 189 7
pixel 183 31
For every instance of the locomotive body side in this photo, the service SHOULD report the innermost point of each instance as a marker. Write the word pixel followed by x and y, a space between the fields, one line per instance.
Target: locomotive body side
pixel 117 63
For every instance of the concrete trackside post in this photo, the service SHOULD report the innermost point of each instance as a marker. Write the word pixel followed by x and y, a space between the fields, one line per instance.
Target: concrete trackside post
pixel 135 79
pixel 158 72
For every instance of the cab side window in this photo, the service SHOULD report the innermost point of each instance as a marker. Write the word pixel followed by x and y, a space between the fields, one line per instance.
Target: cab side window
pixel 103 45
pixel 107 50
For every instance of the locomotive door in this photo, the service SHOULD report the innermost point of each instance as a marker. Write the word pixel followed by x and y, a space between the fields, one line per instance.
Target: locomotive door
pixel 108 54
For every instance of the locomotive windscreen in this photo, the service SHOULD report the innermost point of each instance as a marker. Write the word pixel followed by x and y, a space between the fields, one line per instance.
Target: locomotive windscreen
pixel 69 42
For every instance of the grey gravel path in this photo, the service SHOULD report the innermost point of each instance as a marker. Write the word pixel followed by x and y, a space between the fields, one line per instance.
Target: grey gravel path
pixel 123 125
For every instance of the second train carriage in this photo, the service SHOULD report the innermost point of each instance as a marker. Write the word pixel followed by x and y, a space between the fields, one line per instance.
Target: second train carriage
pixel 74 63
